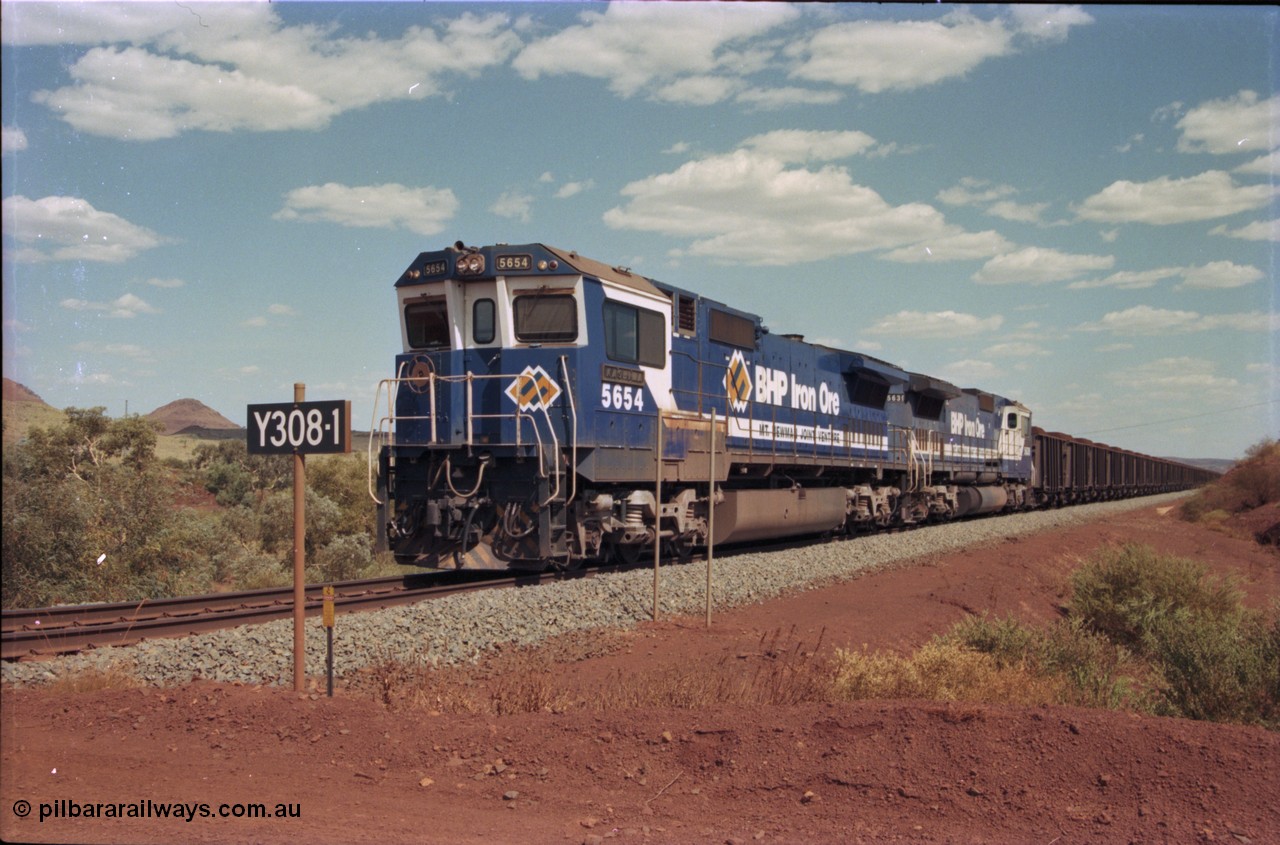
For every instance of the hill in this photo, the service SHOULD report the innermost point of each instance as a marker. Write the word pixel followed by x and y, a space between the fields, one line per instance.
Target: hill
pixel 183 414
pixel 14 392
pixel 1220 465
pixel 23 409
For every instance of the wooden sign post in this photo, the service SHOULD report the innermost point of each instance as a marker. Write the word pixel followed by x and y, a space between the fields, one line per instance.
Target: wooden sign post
pixel 299 428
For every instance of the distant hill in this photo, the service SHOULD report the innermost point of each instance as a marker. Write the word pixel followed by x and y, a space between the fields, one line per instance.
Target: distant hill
pixel 1214 464
pixel 184 414
pixel 23 409
pixel 14 392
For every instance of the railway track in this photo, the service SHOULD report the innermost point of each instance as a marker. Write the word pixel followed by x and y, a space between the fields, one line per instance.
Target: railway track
pixel 49 631
pixel 62 630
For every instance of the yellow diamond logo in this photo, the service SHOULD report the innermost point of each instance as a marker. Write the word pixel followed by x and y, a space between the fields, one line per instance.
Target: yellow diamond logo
pixel 533 389
pixel 737 382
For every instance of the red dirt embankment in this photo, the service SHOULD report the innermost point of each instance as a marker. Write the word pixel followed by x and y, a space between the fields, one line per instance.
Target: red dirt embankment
pixel 877 771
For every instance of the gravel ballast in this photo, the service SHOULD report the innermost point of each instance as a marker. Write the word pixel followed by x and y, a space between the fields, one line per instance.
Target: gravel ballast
pixel 463 628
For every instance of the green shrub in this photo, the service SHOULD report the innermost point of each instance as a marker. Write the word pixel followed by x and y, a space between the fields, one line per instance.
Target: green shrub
pixel 1007 641
pixel 1218 667
pixel 1121 593
pixel 1085 668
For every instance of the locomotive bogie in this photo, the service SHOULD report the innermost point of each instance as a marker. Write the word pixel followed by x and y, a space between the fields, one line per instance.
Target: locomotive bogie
pixel 549 409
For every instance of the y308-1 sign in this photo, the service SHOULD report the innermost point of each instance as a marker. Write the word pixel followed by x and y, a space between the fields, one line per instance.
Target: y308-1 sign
pixel 300 427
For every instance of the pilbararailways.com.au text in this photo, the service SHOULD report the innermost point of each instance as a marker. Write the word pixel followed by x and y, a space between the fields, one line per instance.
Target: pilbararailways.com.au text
pixel 65 808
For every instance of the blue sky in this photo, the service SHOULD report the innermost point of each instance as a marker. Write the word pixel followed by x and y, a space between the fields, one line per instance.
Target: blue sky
pixel 1072 206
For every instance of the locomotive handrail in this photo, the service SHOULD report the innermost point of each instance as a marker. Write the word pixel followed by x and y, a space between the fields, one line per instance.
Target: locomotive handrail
pixel 519 415
pixel 573 409
pixel 382 428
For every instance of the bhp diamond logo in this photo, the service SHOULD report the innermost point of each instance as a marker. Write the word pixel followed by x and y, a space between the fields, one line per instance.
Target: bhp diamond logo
pixel 737 382
pixel 533 389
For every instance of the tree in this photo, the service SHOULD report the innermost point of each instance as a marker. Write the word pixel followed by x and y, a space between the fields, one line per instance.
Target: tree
pixel 81 500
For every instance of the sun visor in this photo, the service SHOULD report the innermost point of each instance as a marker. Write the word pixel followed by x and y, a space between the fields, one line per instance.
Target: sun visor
pixel 930 386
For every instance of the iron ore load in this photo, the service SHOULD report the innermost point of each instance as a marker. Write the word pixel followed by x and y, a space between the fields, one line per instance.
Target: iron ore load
pixel 548 409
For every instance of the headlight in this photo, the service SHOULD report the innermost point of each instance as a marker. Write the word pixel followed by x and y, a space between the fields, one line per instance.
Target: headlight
pixel 471 264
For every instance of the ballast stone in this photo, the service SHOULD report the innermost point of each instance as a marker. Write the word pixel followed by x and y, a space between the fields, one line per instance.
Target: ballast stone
pixel 462 628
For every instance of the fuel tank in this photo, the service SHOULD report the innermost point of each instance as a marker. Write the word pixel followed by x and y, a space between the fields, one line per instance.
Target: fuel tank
pixel 971 501
pixel 746 515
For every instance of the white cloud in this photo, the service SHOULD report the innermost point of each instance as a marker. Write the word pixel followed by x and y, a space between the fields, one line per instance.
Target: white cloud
pixel 1242 123
pixel 1166 200
pixel 1018 212
pixel 133 94
pixel 1263 165
pixel 1049 22
pixel 1258 230
pixel 749 207
pixel 1130 279
pixel 937 324
pixel 1037 266
pixel 974 191
pixel 425 211
pixel 1181 375
pixel 97 23
pixel 571 189
pixel 1016 349
pixel 70 229
pixel 515 205
pixel 166 283
pixel 877 56
pixel 12 140
pixel 122 350
pixel 769 99
pixel 1220 275
pixel 794 146
pixel 161 70
pixel 1129 143
pixel 981 192
pixel 654 46
pixel 1145 320
pixel 281 310
pixel 970 370
pixel 964 246
pixel 124 307
pixel 697 90
pixel 1215 275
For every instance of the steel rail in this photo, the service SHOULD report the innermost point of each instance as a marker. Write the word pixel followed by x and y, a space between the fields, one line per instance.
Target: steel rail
pixel 62 630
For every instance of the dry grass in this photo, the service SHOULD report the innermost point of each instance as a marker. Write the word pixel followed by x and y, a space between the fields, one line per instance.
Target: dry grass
pixel 941 671
pixel 117 676
pixel 787 671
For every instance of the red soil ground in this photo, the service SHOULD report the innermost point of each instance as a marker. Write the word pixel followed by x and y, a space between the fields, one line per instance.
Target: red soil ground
pixel 357 770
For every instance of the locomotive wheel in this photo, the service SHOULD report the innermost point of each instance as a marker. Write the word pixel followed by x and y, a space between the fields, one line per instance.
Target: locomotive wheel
pixel 626 555
pixel 680 548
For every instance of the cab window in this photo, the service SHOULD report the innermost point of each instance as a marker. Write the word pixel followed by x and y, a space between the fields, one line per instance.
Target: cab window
pixel 427 324
pixel 634 335
pixel 549 318
pixel 482 321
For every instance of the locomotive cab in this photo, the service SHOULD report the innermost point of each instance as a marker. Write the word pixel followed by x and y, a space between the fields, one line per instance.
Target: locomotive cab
pixel 514 361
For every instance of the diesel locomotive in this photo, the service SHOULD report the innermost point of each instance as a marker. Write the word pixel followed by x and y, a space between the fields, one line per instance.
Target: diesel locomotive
pixel 549 409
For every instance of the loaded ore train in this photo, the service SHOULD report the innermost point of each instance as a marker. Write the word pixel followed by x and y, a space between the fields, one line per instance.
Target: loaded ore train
pixel 548 409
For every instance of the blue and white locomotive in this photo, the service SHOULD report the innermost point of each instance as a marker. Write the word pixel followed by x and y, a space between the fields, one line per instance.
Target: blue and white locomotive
pixel 548 409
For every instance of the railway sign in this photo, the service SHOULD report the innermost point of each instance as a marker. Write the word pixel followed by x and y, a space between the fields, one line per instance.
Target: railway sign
pixel 300 428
